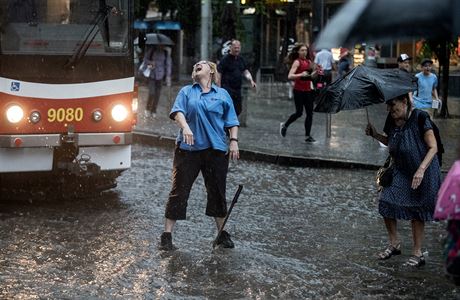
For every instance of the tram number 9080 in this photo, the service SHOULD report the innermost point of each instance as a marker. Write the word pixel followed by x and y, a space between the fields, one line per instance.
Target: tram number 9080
pixel 65 114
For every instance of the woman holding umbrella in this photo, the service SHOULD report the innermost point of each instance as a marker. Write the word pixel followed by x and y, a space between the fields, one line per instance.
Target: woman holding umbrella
pixel 157 60
pixel 412 192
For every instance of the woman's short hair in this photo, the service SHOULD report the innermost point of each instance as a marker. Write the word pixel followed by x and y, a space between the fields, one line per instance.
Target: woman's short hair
pixel 214 74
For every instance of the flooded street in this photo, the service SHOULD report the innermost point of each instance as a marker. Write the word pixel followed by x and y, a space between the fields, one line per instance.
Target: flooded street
pixel 299 233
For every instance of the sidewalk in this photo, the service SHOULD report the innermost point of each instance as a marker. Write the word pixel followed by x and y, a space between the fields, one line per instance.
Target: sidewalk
pixel 347 147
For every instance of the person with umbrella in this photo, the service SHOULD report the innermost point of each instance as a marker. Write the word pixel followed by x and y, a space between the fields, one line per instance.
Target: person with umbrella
pixel 205 115
pixel 157 59
pixel 411 195
pixel 302 72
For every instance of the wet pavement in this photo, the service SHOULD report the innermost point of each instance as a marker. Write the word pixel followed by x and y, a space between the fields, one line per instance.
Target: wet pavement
pixel 347 146
pixel 300 233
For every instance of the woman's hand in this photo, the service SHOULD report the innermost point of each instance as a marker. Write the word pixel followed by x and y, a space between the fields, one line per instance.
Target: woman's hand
pixel 418 177
pixel 304 74
pixel 370 130
pixel 188 136
pixel 234 151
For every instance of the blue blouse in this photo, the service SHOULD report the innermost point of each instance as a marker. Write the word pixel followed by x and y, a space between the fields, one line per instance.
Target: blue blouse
pixel 208 116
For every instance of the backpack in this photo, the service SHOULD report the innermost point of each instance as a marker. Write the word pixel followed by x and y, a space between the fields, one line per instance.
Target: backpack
pixel 421 121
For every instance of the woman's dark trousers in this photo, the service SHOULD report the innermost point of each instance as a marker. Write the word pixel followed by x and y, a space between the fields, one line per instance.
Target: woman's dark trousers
pixel 303 99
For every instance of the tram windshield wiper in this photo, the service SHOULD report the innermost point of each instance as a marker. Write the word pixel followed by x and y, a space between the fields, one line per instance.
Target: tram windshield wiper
pixel 100 24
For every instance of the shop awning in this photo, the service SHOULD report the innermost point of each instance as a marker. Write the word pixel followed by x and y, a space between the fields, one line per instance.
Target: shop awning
pixel 166 25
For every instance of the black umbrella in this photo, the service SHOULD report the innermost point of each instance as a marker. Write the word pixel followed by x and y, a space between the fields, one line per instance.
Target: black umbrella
pixel 363 86
pixel 380 20
pixel 156 39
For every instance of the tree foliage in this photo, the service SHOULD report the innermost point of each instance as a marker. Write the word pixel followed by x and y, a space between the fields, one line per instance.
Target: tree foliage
pixel 189 16
pixel 186 12
pixel 432 48
pixel 140 7
pixel 165 6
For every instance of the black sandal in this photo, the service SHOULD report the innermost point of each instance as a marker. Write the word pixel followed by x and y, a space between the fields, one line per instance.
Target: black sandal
pixel 415 261
pixel 389 252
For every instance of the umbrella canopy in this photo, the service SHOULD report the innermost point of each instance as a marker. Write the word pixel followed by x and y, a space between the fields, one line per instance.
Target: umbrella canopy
pixel 383 20
pixel 155 39
pixel 448 205
pixel 363 86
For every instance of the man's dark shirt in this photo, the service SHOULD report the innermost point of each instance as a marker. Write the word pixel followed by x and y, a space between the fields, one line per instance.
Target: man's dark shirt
pixel 231 68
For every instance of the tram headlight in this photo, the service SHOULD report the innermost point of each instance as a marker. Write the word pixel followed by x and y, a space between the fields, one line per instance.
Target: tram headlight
pixel 119 113
pixel 35 117
pixel 97 115
pixel 14 114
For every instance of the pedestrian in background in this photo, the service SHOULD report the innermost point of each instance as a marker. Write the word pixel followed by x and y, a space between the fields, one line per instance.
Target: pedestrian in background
pixel 371 58
pixel 302 72
pixel 427 84
pixel 324 59
pixel 158 60
pixel 344 64
pixel 416 176
pixel 404 62
pixel 232 69
pixel 205 115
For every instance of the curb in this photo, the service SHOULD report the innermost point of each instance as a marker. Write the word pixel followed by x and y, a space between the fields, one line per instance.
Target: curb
pixel 153 139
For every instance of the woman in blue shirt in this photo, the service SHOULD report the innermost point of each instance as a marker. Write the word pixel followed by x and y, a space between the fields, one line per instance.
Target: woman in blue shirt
pixel 205 115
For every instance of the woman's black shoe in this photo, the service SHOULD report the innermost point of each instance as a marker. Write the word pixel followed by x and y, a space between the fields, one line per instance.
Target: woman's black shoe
pixel 166 242
pixel 225 240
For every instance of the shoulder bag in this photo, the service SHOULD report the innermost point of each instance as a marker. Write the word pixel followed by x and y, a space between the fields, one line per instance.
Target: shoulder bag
pixel 384 176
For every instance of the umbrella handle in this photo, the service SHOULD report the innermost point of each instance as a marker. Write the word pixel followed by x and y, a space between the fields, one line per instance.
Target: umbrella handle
pixel 367 116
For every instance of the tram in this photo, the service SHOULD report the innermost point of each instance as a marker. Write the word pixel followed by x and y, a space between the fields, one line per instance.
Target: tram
pixel 68 102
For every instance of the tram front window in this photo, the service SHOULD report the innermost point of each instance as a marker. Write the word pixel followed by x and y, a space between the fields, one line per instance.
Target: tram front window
pixel 58 27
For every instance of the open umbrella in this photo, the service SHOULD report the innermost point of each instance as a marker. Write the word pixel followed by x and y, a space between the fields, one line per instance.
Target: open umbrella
pixel 363 86
pixel 381 20
pixel 448 205
pixel 156 39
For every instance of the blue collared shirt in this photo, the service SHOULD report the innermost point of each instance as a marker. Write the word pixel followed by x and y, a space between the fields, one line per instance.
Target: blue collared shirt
pixel 207 114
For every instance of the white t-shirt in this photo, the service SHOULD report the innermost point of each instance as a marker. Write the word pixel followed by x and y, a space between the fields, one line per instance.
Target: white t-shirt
pixel 423 96
pixel 325 59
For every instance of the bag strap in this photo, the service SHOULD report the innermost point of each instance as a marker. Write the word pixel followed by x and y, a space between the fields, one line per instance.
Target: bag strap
pixel 388 162
pixel 421 119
